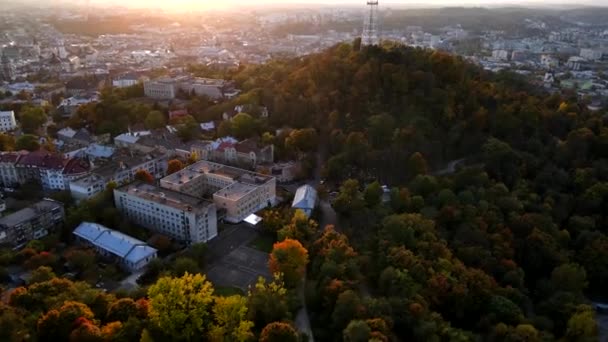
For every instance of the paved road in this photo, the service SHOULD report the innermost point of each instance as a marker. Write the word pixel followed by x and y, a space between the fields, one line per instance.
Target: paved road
pixel 450 168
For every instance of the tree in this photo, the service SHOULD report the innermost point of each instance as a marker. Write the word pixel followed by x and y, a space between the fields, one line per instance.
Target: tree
pixel 41 274
pixel 300 228
pixel 86 332
pixel 357 331
pixel 185 265
pixel 230 323
pixel 278 332
pixel 290 258
pixel 417 164
pixel 27 142
pixel 7 142
pixel 173 166
pixel 56 325
pixel 31 119
pixel 81 259
pixel 243 125
pixel 155 120
pixel 180 306
pixel 381 129
pixel 302 140
pixel 373 194
pixel 349 199
pixel 582 326
pixel 121 310
pixel 144 176
pixel 267 302
pixel 569 277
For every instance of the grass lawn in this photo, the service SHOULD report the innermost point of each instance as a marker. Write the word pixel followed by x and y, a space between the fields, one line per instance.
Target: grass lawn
pixel 263 243
pixel 228 291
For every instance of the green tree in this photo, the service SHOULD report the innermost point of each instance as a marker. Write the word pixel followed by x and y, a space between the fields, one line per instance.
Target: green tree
pixel 32 119
pixel 121 310
pixel 381 129
pixel 184 265
pixel 357 331
pixel 243 125
pixel 180 306
pixel 155 120
pixel 302 140
pixel 27 142
pixel 41 274
pixel 373 194
pixel 569 277
pixel 279 332
pixel 300 228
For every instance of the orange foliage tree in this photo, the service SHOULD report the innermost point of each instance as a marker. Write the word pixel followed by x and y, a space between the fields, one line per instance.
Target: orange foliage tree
pixel 144 176
pixel 173 166
pixel 290 258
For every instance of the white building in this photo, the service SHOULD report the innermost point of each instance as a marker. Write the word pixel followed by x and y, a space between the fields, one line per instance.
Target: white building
pixel 305 199
pixel 162 89
pixel 238 192
pixel 591 54
pixel 500 55
pixel 131 254
pixel 549 62
pixel 183 217
pixel 7 121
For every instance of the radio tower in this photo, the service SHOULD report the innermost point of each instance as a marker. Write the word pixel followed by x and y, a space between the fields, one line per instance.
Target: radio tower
pixel 370 35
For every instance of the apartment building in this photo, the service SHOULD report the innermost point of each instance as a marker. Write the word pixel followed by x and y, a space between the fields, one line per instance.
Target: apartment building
pixel 8 171
pixel 7 121
pixel 238 192
pixel 31 223
pixel 120 170
pixel 247 153
pixel 178 215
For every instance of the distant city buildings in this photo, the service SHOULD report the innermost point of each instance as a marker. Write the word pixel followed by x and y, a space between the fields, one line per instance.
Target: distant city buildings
pixel 167 88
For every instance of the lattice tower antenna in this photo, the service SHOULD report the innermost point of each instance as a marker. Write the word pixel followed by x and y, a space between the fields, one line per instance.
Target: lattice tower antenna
pixel 371 33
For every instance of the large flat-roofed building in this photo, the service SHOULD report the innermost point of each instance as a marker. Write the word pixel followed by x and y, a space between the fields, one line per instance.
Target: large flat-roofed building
pixel 7 121
pixel 162 89
pixel 31 223
pixel 179 215
pixel 239 192
pixel 131 254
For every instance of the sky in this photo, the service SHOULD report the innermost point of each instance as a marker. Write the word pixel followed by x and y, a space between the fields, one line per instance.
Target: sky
pixel 209 4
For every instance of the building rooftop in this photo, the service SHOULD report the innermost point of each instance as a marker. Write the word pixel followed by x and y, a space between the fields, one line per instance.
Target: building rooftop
pixel 305 198
pixel 42 159
pixel 115 242
pixel 9 113
pixel 163 196
pixel 29 213
pixel 235 191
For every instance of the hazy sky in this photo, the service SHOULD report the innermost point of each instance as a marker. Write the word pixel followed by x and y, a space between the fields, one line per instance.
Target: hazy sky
pixel 206 4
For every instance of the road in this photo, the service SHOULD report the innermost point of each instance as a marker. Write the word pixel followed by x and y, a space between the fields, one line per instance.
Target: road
pixel 450 168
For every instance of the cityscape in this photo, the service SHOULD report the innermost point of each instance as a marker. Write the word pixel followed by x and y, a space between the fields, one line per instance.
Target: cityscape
pixel 361 171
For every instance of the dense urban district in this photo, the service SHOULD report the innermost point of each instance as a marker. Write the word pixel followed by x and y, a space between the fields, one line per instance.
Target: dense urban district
pixel 270 175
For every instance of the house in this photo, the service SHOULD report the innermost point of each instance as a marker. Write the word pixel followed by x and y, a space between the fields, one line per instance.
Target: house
pixel 130 253
pixel 69 135
pixel 284 172
pixel 31 223
pixel 179 113
pixel 208 126
pixel 227 150
pixel 305 199
pixel 7 121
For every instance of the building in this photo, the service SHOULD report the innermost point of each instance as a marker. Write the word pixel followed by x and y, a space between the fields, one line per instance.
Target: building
pixel 31 223
pixel 591 54
pixel 247 153
pixel 238 192
pixel 7 69
pixel 549 62
pixel 120 170
pixel 161 89
pixel 51 170
pixel 130 253
pixel 500 55
pixel 8 172
pixel 126 80
pixel 183 217
pixel 7 121
pixel 305 199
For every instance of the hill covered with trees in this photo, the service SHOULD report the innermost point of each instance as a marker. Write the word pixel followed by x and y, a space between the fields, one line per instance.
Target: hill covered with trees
pixel 508 248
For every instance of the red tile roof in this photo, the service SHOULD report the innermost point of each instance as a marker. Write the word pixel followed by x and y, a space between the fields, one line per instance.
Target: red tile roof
pixel 76 166
pixel 178 113
pixel 42 159
pixel 11 157
pixel 247 146
pixel 225 145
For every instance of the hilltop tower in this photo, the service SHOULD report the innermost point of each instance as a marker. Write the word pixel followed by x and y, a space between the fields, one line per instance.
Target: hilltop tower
pixel 371 32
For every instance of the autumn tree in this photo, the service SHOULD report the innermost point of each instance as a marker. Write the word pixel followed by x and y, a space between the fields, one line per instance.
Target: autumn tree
pixel 302 140
pixel 41 274
pixel 144 176
pixel 300 228
pixel 230 320
pixel 7 142
pixel 417 164
pixel 173 166
pixel 57 324
pixel 279 332
pixel 31 119
pixel 290 258
pixel 268 302
pixel 582 326
pixel 243 125
pixel 357 331
pixel 180 306
pixel 121 310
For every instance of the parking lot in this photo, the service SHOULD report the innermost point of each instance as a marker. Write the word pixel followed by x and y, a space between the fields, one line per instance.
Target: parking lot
pixel 232 263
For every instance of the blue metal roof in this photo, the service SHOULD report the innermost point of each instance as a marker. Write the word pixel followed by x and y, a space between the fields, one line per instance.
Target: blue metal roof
pixel 117 243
